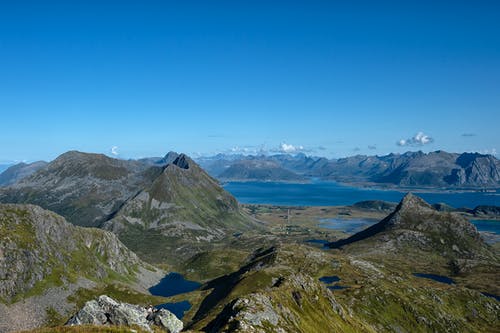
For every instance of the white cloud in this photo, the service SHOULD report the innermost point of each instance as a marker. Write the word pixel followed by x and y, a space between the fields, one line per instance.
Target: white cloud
pixel 419 139
pixel 492 151
pixel 114 150
pixel 288 148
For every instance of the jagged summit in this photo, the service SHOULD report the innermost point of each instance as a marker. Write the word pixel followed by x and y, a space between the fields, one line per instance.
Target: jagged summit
pixel 170 157
pixel 182 161
pixel 183 205
pixel 416 224
pixel 411 201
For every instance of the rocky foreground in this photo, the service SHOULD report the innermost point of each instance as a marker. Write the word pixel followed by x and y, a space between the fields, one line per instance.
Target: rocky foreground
pixel 107 311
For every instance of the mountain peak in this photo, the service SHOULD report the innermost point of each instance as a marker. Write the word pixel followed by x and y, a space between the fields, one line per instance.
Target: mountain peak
pixel 182 161
pixel 415 224
pixel 411 201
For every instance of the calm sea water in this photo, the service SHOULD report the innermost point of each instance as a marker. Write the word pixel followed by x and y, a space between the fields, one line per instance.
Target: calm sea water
pixel 352 226
pixel 321 193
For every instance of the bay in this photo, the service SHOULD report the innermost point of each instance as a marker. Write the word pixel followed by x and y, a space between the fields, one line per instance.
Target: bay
pixel 322 193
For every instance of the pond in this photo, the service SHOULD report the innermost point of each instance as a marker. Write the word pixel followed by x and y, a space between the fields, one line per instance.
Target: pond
pixel 435 277
pixel 174 284
pixel 329 279
pixel 177 308
pixel 346 225
pixel 317 241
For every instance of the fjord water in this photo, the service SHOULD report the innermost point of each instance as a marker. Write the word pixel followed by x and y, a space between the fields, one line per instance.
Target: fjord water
pixel 322 193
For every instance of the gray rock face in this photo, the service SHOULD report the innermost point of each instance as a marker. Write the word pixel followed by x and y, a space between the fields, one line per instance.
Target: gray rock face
pixel 168 320
pixel 36 244
pixel 107 311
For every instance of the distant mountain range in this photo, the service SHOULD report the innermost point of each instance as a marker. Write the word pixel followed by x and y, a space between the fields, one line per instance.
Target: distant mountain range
pixel 19 171
pixel 411 169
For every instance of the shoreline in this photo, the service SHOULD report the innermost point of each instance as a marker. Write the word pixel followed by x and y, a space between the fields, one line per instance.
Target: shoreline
pixel 371 186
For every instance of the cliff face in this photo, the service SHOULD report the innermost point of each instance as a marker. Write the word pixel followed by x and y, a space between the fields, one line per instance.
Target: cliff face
pixel 39 249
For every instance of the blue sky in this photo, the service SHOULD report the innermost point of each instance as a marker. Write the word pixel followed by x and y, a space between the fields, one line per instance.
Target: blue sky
pixel 329 78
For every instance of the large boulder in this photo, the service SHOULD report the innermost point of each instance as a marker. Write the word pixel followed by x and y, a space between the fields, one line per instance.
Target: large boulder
pixel 107 311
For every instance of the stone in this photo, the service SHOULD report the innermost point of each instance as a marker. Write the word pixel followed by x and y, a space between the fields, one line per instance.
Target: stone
pixel 168 320
pixel 107 311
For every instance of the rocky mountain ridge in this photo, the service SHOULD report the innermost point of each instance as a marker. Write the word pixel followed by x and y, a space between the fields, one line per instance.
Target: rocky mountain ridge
pixel 44 259
pixel 411 169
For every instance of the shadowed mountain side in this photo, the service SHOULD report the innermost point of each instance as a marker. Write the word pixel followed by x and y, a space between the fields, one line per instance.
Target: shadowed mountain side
pixel 182 209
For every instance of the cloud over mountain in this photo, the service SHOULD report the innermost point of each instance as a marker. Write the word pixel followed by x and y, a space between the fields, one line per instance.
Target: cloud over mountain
pixel 419 139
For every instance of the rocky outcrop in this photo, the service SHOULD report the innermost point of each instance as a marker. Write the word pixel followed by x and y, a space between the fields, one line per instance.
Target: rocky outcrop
pixel 416 224
pixel 483 211
pixel 106 311
pixel 39 248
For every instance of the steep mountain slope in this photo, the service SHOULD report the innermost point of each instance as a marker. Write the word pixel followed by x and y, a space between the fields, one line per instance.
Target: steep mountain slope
pixel 44 259
pixel 19 171
pixel 85 188
pixel 183 206
pixel 415 224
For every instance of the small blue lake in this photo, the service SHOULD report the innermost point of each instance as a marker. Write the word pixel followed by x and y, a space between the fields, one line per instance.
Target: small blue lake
pixel 435 277
pixel 329 279
pixel 337 287
pixel 492 296
pixel 330 282
pixel 346 225
pixel 317 241
pixel 177 308
pixel 174 284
